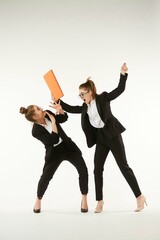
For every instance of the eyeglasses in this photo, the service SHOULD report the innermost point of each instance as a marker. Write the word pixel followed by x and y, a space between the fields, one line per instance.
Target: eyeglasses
pixel 82 94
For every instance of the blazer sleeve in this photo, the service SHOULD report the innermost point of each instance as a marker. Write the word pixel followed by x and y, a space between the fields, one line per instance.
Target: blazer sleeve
pixel 60 118
pixel 120 88
pixel 48 139
pixel 71 109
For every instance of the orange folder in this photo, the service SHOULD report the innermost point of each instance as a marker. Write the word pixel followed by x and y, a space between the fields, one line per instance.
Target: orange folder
pixel 53 85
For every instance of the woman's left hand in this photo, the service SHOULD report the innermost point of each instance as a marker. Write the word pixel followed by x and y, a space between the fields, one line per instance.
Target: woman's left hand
pixel 124 69
pixel 57 107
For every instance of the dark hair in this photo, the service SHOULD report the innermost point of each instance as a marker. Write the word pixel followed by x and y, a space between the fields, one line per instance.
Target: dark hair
pixel 89 86
pixel 29 112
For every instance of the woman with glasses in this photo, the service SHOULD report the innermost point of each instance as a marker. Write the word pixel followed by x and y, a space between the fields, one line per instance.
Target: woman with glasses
pixel 104 130
pixel 59 147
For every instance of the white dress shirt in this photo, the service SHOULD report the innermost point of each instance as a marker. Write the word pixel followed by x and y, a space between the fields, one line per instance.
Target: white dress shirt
pixel 93 114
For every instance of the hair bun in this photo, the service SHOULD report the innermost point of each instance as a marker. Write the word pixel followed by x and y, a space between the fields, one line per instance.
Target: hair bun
pixel 23 110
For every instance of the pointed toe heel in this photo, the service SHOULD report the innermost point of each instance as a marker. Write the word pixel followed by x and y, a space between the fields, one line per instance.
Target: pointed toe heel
pixel 99 207
pixel 140 206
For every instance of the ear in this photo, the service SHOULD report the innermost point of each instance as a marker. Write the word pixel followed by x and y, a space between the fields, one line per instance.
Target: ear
pixel 90 92
pixel 34 117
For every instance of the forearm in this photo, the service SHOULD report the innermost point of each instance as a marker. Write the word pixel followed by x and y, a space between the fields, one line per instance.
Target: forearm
pixel 71 109
pixel 120 88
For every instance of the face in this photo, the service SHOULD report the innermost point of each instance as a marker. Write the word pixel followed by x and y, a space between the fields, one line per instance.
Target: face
pixel 39 114
pixel 85 95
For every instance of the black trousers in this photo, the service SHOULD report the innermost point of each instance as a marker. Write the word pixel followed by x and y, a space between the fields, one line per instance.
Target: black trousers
pixel 61 153
pixel 116 146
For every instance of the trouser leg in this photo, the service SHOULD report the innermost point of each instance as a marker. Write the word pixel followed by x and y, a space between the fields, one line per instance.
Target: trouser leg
pixel 100 156
pixel 118 151
pixel 48 171
pixel 78 162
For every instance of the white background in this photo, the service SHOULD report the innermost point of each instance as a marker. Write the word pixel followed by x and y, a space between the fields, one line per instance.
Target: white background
pixel 78 39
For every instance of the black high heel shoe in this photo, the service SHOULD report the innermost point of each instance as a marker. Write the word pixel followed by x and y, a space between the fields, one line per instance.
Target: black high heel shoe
pixel 84 210
pixel 37 210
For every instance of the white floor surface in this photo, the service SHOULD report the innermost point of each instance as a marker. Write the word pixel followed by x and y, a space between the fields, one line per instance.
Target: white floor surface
pixel 67 224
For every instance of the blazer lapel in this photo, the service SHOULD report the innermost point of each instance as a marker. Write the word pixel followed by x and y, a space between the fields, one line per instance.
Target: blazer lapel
pixel 84 112
pixel 98 106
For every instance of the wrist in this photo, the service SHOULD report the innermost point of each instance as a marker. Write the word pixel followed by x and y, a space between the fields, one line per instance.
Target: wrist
pixel 61 111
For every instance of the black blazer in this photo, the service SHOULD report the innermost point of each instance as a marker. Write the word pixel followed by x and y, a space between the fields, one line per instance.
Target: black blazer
pixel 49 139
pixel 112 126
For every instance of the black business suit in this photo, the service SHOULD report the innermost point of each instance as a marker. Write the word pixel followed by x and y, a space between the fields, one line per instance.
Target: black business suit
pixel 67 150
pixel 107 138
